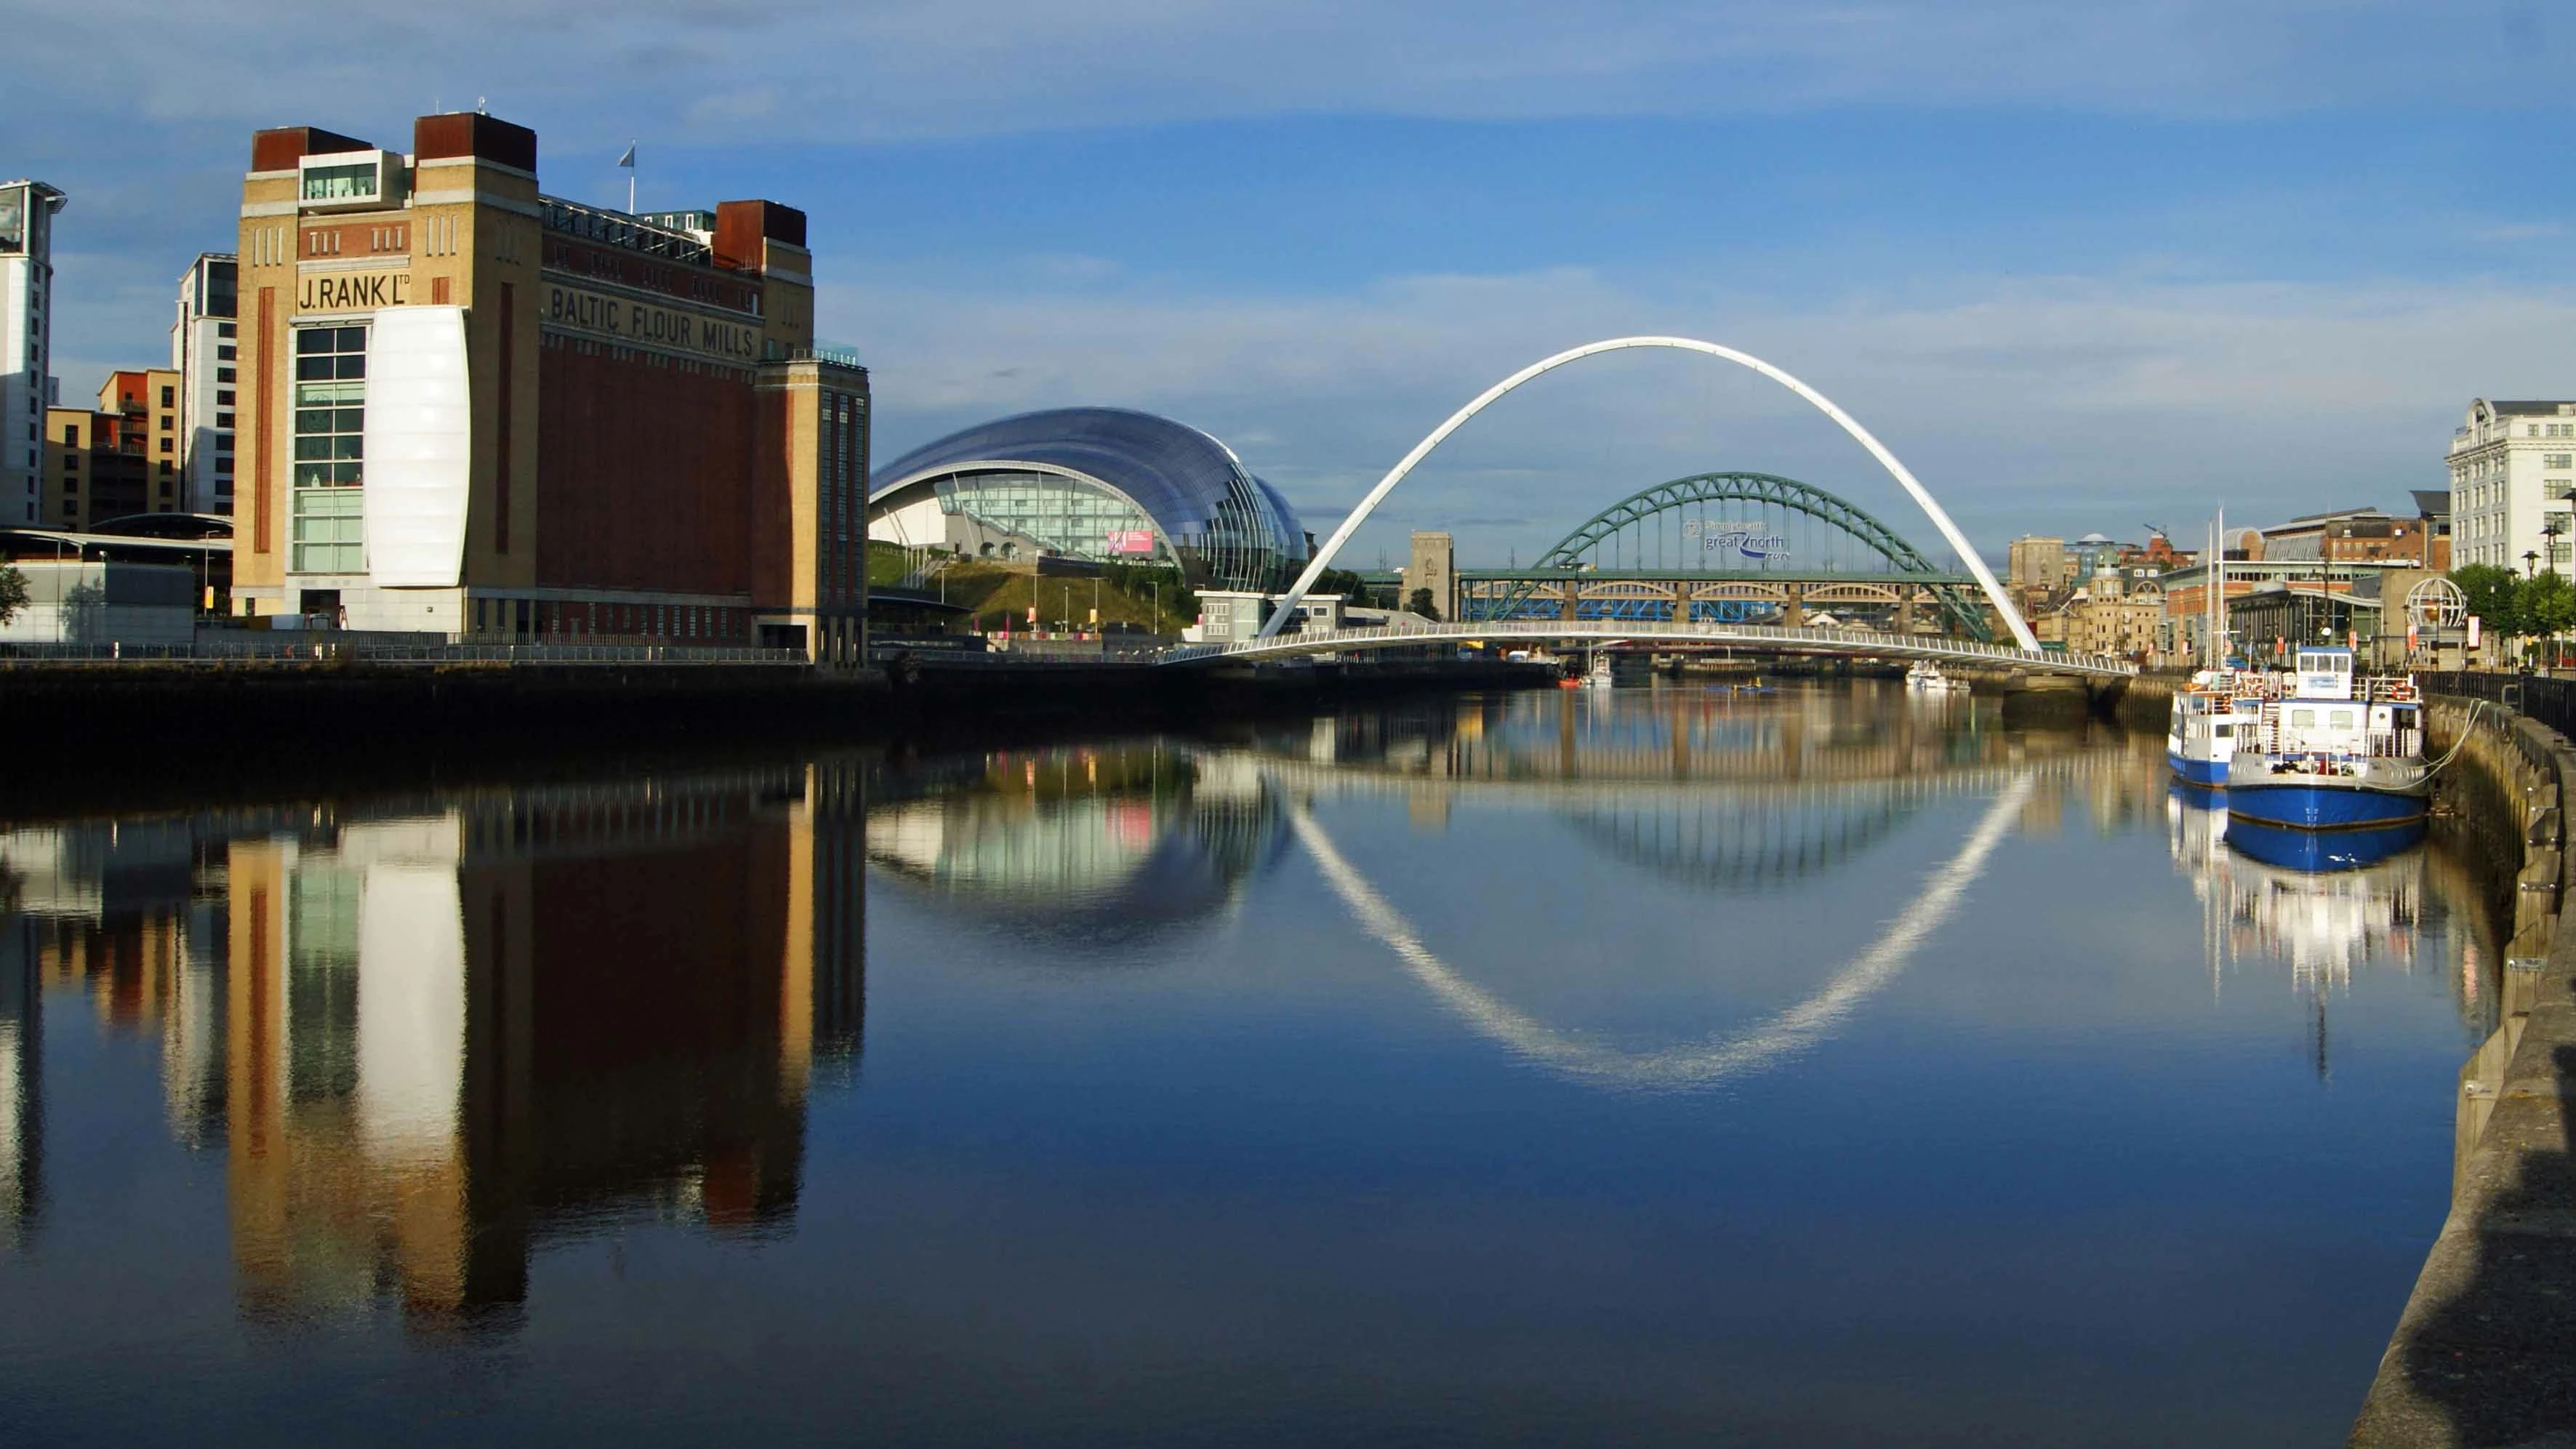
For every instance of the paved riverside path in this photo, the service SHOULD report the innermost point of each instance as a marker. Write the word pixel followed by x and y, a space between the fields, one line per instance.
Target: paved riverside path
pixel 2485 1353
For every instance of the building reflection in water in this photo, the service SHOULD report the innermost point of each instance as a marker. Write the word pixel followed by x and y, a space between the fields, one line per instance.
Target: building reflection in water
pixel 22 1106
pixel 1086 847
pixel 429 1035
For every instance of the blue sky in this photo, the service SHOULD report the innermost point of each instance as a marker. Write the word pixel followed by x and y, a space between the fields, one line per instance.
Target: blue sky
pixel 2081 270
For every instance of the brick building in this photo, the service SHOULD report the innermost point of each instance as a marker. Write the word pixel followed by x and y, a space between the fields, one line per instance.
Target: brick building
pixel 471 408
pixel 117 460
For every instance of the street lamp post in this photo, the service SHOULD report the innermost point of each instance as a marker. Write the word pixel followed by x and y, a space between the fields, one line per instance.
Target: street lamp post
pixel 2552 530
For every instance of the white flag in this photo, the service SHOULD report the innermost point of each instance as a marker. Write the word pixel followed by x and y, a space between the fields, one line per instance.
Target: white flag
pixel 628 160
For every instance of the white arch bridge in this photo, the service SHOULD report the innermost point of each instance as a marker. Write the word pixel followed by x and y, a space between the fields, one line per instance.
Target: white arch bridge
pixel 1768 638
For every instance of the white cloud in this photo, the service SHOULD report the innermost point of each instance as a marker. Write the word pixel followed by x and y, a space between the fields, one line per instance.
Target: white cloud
pixel 2052 405
pixel 2060 404
pixel 909 68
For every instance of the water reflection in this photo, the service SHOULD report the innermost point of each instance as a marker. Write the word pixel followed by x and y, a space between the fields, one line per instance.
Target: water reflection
pixel 1728 1054
pixel 1088 847
pixel 1445 1037
pixel 22 1113
pixel 1088 850
pixel 1673 732
pixel 427 1034
pixel 2326 907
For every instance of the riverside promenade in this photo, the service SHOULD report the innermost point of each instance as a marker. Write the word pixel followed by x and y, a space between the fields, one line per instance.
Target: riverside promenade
pixel 2485 1352
pixel 109 726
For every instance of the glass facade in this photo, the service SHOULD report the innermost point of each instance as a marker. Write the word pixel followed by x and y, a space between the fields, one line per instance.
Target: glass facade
pixel 844 486
pixel 1109 483
pixel 341 183
pixel 330 450
pixel 1071 516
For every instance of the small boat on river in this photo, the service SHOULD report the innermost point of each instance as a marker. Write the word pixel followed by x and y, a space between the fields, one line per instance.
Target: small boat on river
pixel 1925 677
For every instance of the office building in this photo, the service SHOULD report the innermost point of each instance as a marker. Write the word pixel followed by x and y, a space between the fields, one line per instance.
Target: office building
pixel 2036 563
pixel 2513 465
pixel 116 460
pixel 474 409
pixel 27 210
pixel 2433 516
pixel 2113 615
pixel 2353 535
pixel 204 346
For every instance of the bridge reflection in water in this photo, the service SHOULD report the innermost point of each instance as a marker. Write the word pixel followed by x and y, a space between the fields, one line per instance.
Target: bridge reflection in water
pixel 1090 846
pixel 429 1033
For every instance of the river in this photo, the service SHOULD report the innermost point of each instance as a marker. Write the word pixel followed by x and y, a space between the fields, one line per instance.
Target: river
pixel 1653 1065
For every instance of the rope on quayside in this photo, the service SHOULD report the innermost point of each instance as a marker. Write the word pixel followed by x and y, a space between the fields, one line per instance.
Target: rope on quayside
pixel 2468 727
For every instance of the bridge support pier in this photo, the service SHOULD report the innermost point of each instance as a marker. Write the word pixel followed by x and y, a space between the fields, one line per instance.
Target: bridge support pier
pixel 2042 697
pixel 1908 599
pixel 1573 601
pixel 1793 609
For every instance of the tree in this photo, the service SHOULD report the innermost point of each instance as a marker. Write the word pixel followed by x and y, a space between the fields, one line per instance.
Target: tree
pixel 2494 594
pixel 2544 606
pixel 1343 582
pixel 13 592
pixel 1419 602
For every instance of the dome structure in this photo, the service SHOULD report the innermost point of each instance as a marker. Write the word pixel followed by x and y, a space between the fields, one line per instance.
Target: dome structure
pixel 1092 483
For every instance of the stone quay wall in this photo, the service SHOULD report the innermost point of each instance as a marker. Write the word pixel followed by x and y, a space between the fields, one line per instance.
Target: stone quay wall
pixel 2485 1351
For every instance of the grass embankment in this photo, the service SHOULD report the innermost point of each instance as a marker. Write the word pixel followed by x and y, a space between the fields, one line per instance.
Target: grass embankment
pixel 994 593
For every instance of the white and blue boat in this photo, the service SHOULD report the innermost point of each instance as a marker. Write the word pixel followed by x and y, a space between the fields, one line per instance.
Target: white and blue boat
pixel 2209 715
pixel 2332 752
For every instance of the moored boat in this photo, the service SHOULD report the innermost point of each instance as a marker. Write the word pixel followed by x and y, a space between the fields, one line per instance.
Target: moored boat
pixel 2210 714
pixel 1925 677
pixel 2332 752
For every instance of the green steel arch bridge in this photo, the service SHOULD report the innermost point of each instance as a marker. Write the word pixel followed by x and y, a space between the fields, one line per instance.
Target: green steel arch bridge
pixel 1730 548
pixel 1650 635
pixel 1615 582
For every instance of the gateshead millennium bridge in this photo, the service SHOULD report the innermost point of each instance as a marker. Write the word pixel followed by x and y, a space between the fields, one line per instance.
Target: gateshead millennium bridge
pixel 1687 608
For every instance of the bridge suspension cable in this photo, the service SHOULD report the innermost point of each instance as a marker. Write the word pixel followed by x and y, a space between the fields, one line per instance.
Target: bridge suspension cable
pixel 1941 520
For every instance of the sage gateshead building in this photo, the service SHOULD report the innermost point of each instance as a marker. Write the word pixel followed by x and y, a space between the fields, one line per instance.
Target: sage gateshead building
pixel 1098 484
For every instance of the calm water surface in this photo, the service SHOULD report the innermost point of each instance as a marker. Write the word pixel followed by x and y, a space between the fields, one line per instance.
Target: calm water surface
pixel 1652 1066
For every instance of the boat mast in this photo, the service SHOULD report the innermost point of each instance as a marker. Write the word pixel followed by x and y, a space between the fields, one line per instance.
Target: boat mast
pixel 2209 598
pixel 2218 598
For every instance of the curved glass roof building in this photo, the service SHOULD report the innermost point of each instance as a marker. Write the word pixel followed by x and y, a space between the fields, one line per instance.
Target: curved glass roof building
pixel 1092 483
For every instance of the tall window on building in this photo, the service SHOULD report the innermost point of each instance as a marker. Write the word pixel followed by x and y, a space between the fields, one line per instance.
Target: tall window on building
pixel 330 450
